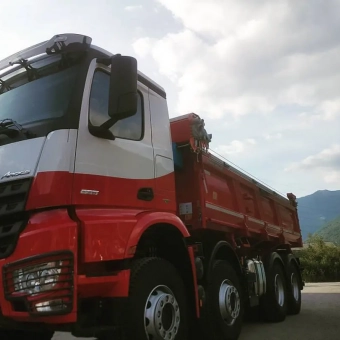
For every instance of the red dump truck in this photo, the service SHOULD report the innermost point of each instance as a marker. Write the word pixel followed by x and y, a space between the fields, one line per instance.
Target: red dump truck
pixel 118 223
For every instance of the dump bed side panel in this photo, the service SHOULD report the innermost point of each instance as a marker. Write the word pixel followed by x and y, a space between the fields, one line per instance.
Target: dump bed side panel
pixel 212 194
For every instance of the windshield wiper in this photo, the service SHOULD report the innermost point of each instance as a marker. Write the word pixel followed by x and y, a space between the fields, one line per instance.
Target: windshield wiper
pixel 12 129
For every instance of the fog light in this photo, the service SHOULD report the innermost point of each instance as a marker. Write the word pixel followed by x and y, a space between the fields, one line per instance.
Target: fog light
pixel 37 279
pixel 50 306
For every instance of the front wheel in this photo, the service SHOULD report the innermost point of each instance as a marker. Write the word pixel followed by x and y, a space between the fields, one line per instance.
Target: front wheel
pixel 224 308
pixel 158 307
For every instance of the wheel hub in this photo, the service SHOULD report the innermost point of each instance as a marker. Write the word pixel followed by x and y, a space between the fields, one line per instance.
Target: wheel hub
pixel 229 302
pixel 279 290
pixel 295 286
pixel 162 315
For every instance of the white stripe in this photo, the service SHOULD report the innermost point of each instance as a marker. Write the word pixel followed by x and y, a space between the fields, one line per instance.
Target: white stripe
pixel 205 186
pixel 274 227
pixel 224 210
pixel 252 219
pixel 233 213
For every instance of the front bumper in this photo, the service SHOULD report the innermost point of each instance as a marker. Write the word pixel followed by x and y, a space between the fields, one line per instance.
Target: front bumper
pixel 48 236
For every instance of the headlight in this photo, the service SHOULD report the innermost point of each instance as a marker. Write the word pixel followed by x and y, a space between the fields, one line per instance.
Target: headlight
pixel 37 279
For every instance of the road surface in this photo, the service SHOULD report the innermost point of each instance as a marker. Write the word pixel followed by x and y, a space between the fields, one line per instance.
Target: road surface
pixel 319 318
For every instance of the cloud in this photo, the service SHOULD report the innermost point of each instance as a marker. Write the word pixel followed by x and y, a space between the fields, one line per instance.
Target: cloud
pixel 326 163
pixel 237 58
pixel 133 8
pixel 235 147
pixel 269 136
pixel 327 158
pixel 142 46
pixel 332 177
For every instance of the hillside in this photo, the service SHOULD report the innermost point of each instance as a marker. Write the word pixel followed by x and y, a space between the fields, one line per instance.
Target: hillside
pixel 331 231
pixel 317 209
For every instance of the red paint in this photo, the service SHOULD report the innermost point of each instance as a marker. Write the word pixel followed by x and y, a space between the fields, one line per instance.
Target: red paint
pixel 108 234
pixel 46 232
pixel 148 219
pixel 115 285
pixel 60 188
pixel 105 233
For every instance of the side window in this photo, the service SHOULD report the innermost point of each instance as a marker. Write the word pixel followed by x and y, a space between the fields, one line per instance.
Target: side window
pixel 128 128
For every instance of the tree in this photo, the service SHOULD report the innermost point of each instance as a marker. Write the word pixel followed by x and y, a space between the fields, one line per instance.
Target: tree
pixel 320 261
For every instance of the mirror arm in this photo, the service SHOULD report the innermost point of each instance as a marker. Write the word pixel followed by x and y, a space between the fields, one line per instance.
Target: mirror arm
pixel 109 123
pixel 99 131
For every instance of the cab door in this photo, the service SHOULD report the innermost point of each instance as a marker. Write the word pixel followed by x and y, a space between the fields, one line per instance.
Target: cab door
pixel 115 173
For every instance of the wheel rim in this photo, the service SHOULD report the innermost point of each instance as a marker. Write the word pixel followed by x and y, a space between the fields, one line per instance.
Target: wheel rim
pixel 229 302
pixel 279 290
pixel 295 286
pixel 161 314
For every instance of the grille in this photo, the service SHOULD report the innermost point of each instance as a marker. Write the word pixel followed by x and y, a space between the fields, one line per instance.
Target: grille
pixel 54 300
pixel 13 196
pixel 9 234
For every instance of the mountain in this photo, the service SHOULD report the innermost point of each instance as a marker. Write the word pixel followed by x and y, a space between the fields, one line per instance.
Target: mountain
pixel 317 209
pixel 331 231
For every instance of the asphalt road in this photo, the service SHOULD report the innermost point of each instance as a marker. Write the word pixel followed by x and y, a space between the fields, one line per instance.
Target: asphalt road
pixel 319 318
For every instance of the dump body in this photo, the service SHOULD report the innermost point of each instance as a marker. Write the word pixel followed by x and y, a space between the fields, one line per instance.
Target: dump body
pixel 213 194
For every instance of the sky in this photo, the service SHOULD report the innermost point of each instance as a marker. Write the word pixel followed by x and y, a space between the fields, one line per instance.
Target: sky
pixel 264 75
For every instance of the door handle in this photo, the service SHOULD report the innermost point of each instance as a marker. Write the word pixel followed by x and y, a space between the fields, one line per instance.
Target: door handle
pixel 145 194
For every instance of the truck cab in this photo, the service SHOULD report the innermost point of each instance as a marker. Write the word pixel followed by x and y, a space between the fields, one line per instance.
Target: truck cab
pixel 71 188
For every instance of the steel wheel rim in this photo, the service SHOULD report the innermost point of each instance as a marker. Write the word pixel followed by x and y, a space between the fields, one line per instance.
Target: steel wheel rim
pixel 161 314
pixel 229 302
pixel 279 290
pixel 295 286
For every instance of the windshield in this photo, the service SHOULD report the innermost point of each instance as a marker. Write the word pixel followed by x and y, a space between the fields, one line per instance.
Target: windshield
pixel 44 98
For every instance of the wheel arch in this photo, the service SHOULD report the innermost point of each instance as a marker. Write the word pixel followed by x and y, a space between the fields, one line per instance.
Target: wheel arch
pixel 222 250
pixel 150 220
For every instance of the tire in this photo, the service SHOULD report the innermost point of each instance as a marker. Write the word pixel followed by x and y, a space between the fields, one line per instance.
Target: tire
pixel 293 290
pixel 27 335
pixel 219 324
pixel 157 302
pixel 274 302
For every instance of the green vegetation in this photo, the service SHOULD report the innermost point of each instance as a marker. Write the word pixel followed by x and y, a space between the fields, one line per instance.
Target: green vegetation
pixel 321 262
pixel 331 231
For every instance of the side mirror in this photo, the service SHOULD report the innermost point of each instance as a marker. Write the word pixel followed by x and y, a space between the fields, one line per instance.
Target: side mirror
pixel 123 87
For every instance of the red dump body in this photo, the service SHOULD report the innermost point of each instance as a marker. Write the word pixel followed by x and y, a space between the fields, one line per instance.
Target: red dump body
pixel 212 194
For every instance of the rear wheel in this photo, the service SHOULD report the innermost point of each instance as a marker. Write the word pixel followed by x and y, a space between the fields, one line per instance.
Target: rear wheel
pixel 224 308
pixel 157 307
pixel 294 292
pixel 27 335
pixel 274 302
